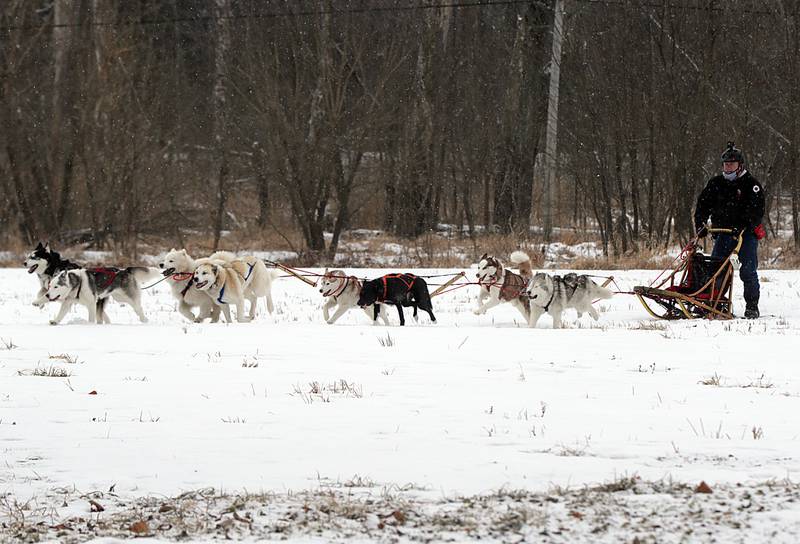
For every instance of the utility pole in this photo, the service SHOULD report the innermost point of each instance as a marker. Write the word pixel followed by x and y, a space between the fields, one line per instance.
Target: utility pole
pixel 222 12
pixel 551 163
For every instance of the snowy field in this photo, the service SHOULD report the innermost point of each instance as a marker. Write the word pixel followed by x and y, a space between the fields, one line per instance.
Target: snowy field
pixel 475 427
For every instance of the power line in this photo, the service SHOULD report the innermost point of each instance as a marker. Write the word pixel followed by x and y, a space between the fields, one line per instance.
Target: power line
pixel 388 9
pixel 275 15
pixel 665 4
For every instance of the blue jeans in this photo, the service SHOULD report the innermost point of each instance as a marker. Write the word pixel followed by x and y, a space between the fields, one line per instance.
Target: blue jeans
pixel 748 256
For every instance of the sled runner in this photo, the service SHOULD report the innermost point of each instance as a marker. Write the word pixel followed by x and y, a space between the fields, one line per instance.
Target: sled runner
pixel 700 286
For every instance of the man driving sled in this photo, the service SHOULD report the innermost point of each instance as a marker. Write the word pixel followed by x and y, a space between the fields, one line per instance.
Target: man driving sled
pixel 735 200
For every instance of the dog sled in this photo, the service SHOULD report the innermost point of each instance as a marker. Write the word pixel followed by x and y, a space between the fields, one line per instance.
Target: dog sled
pixel 700 286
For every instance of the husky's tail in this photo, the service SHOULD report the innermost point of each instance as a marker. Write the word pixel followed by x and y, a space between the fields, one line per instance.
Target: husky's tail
pixel 225 256
pixel 144 274
pixel 522 260
pixel 273 274
pixel 598 291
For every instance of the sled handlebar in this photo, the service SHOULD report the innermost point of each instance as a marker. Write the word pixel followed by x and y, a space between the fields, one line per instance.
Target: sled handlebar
pixel 713 230
pixel 733 232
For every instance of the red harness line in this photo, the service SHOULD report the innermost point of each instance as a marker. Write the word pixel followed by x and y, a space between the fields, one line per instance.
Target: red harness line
pixel 682 255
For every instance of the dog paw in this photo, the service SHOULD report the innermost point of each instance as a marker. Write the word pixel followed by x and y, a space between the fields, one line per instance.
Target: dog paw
pixel 53 322
pixel 478 311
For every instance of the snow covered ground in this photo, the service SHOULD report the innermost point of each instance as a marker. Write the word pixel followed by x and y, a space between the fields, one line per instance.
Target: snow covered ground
pixel 575 430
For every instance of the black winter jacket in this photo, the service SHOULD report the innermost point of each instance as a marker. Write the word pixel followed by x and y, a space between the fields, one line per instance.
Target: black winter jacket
pixel 735 204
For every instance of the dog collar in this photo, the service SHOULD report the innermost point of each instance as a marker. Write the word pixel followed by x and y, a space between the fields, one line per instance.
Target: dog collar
pixel 489 284
pixel 339 290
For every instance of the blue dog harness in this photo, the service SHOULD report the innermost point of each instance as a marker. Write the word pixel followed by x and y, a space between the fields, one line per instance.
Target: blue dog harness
pixel 249 271
pixel 222 291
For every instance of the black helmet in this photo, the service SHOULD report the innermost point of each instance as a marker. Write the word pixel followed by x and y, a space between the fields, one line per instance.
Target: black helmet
pixel 732 154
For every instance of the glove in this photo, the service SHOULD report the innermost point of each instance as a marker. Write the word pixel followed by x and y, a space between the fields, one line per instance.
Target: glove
pixel 760 232
pixel 702 231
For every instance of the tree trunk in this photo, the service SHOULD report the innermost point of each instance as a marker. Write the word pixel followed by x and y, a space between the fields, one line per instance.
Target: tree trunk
pixel 222 13
pixel 551 162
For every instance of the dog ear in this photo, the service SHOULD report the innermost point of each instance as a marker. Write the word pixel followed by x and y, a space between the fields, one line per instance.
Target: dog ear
pixel 47 246
pixel 74 279
pixel 39 246
pixel 184 251
pixel 483 256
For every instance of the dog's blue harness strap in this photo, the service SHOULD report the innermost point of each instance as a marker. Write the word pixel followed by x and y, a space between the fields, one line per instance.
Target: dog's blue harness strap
pixel 221 294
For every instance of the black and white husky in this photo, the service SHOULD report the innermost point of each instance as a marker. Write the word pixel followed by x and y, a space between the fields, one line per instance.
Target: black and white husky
pixel 91 287
pixel 343 291
pixel 554 294
pixel 498 284
pixel 46 263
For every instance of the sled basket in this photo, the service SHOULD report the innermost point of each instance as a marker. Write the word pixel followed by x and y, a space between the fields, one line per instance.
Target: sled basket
pixel 700 286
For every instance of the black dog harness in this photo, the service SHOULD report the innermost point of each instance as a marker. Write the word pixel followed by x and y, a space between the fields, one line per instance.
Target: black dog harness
pixel 570 281
pixel 549 302
pixel 402 277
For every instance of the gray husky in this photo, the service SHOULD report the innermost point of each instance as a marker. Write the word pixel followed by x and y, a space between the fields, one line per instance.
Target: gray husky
pixel 554 294
pixel 92 287
pixel 343 291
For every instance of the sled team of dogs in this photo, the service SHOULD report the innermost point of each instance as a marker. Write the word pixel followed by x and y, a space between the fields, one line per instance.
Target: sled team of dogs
pixel 213 284
pixel 532 294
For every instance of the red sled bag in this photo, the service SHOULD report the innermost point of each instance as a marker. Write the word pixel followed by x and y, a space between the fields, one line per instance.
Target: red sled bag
pixel 760 232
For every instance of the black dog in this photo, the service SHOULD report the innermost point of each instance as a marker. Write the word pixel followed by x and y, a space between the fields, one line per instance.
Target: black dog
pixel 46 263
pixel 400 290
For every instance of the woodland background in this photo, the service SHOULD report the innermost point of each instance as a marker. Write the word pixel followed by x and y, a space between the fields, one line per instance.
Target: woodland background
pixel 130 122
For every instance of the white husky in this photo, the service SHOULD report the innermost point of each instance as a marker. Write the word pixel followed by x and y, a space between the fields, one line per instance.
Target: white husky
pixel 343 291
pixel 233 282
pixel 178 266
pixel 498 284
pixel 554 294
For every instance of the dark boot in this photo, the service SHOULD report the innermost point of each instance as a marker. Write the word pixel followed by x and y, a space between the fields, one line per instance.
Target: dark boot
pixel 751 311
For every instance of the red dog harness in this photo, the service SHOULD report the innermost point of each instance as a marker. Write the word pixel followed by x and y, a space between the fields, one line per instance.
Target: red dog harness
pixel 109 274
pixel 402 278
